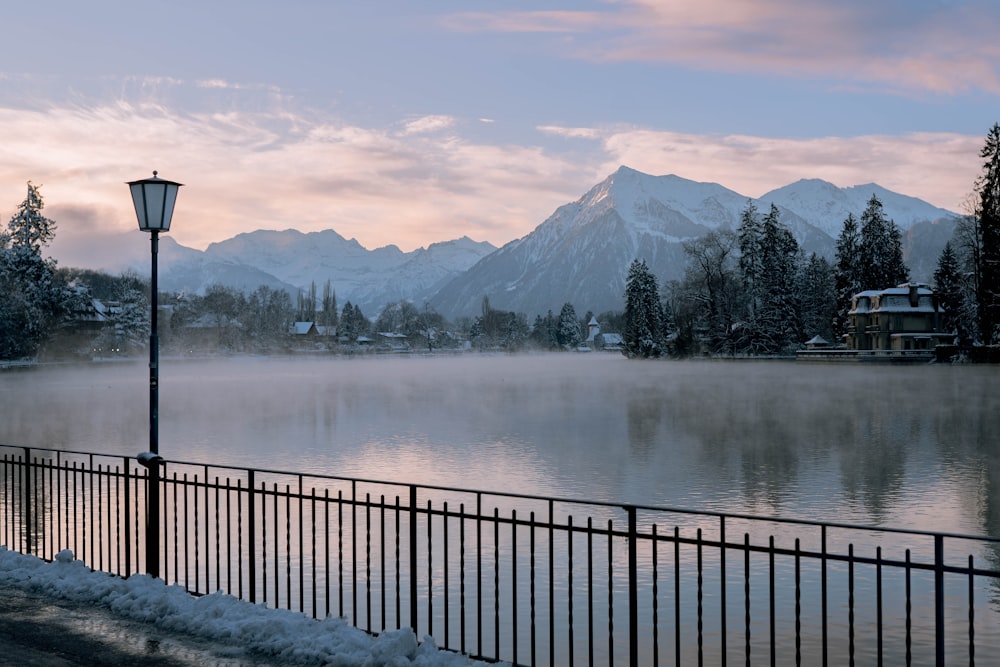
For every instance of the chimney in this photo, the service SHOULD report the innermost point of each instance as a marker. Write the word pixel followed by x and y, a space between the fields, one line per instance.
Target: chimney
pixel 914 295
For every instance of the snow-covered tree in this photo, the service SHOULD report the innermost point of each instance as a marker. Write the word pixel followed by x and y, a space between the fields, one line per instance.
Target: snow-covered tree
pixel 568 333
pixel 643 335
pixel 950 288
pixel 130 318
pixel 768 263
pixel 847 275
pixel 817 298
pixel 880 253
pixel 33 296
pixel 987 215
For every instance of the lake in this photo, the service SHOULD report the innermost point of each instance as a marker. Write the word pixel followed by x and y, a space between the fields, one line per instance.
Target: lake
pixel 912 447
pixel 907 446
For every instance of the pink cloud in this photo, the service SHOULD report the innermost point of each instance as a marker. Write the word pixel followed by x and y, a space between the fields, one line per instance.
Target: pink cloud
pixel 897 44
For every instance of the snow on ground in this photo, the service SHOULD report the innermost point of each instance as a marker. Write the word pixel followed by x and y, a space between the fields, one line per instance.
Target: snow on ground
pixel 289 636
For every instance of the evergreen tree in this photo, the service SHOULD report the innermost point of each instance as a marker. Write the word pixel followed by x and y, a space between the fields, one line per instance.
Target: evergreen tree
pixel 750 236
pixel 361 325
pixel 643 335
pixel 880 254
pixel 818 300
pixel 33 295
pixel 568 333
pixel 348 329
pixel 847 274
pixel 988 217
pixel 950 294
pixel 130 318
pixel 780 302
pixel 768 267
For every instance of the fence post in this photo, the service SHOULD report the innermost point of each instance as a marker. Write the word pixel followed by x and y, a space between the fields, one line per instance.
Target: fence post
pixel 413 559
pixel 128 518
pixel 251 538
pixel 939 599
pixel 26 514
pixel 633 588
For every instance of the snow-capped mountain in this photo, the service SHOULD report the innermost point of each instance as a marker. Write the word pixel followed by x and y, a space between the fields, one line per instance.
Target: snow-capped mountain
pixel 581 253
pixel 826 206
pixel 367 278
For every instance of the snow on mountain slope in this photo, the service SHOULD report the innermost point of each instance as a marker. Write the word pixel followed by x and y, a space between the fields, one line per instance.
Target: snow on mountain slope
pixel 826 206
pixel 581 253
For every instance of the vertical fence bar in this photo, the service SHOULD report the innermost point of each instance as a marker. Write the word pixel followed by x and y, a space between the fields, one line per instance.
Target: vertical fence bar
pixel 128 522
pixel 552 593
pixel 26 502
pixel 878 604
pixel 972 615
pixel 633 588
pixel 413 559
pixel 939 600
pixel 823 591
pixel 722 590
pixel 251 538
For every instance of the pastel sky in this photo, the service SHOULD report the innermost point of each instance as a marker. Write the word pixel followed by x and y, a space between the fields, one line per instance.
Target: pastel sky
pixel 403 122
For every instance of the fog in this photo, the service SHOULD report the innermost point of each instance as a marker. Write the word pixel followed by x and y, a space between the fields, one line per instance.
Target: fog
pixel 908 446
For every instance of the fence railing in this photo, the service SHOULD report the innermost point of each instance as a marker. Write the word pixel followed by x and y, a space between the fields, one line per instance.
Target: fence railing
pixel 525 579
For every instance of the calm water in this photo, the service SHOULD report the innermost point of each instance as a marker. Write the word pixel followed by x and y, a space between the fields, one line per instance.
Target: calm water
pixel 915 447
pixel 912 447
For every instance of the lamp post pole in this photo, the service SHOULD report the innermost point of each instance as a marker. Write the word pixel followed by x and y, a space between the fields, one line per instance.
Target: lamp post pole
pixel 153 490
pixel 154 200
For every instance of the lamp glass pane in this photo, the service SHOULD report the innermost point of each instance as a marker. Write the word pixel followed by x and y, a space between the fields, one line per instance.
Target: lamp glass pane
pixel 168 205
pixel 155 193
pixel 140 208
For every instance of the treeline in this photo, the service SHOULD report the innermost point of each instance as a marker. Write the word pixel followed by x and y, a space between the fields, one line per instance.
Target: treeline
pixel 753 291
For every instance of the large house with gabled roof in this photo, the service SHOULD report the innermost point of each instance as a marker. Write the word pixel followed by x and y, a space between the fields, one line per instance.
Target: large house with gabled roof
pixel 902 318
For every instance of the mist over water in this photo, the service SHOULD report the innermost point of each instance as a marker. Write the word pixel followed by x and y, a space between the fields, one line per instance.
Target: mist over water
pixel 913 447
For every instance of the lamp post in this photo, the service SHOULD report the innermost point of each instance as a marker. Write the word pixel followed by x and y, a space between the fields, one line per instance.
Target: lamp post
pixel 154 200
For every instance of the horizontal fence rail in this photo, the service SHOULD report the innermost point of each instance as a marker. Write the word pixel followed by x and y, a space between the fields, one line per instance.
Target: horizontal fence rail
pixel 524 579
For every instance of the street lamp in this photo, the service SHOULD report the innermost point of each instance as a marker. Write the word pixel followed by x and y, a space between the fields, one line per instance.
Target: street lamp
pixel 154 200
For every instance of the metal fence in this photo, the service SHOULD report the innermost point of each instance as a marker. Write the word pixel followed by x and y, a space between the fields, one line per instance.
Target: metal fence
pixel 525 579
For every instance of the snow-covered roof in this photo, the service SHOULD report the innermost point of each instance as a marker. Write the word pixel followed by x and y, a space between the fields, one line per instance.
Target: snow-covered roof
pixel 895 300
pixel 817 340
pixel 301 328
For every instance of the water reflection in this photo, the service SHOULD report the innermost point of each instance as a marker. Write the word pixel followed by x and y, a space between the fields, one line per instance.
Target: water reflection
pixel 907 446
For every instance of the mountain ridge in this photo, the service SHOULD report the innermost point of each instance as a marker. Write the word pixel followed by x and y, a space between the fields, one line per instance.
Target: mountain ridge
pixel 580 254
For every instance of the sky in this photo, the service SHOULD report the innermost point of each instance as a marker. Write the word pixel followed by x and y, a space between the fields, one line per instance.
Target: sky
pixel 409 123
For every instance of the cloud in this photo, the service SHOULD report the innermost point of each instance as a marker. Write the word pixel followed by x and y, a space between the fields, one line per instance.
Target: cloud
pixel 428 124
pixel 249 171
pixel 571 132
pixel 902 45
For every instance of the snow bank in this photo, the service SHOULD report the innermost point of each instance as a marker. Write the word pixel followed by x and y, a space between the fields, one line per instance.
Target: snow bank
pixel 290 636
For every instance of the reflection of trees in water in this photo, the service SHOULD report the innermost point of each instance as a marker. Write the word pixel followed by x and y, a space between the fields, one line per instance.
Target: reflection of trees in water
pixel 968 443
pixel 873 461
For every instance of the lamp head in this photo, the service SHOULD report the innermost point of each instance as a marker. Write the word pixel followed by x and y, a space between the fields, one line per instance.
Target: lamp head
pixel 154 200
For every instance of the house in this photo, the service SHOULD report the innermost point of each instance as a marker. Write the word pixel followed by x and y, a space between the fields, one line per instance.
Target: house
pixel 900 319
pixel 610 342
pixel 303 329
pixel 393 341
